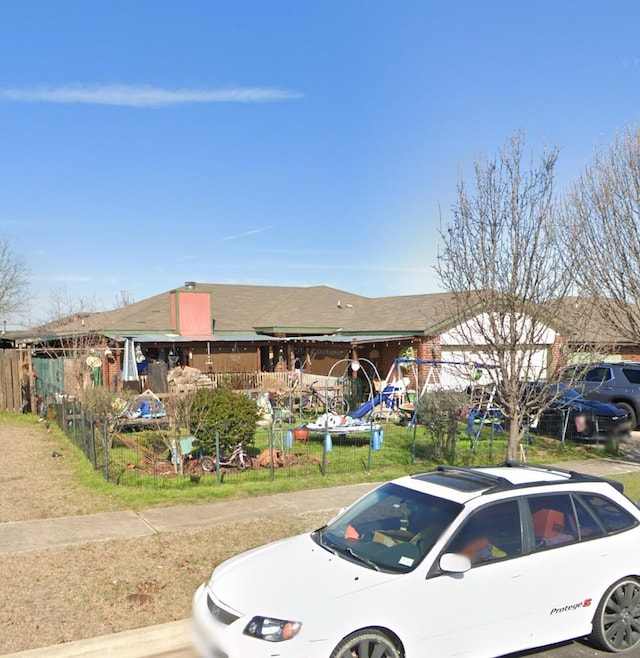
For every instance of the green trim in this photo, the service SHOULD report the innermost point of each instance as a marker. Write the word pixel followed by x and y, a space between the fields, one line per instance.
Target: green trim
pixel 296 331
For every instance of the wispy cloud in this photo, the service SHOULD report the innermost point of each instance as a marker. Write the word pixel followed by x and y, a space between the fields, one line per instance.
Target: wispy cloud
pixel 244 235
pixel 144 96
pixel 67 278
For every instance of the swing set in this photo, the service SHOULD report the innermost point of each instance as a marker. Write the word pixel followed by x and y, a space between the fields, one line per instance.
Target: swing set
pixel 396 397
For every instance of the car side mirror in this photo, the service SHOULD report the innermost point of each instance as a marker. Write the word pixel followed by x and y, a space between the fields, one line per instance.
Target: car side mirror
pixel 455 563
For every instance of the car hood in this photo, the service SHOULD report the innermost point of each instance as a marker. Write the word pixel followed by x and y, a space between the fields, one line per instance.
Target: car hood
pixel 278 579
pixel 593 406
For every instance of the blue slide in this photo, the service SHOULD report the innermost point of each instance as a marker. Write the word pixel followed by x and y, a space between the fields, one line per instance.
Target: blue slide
pixel 369 405
pixel 366 408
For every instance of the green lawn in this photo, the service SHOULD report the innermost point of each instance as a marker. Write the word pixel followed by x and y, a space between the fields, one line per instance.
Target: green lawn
pixel 350 460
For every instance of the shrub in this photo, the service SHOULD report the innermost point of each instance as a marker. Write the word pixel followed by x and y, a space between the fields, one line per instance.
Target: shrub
pixel 439 412
pixel 103 403
pixel 233 415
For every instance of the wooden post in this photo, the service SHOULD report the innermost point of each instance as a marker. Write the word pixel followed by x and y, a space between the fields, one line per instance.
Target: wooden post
pixel 32 381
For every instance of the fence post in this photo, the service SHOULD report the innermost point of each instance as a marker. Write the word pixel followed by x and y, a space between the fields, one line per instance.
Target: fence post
pixel 271 453
pixel 106 452
pixel 413 443
pixel 73 423
pixel 218 474
pixel 454 441
pixel 83 428
pixel 92 444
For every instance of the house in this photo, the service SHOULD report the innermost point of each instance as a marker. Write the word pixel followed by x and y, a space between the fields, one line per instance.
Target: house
pixel 257 337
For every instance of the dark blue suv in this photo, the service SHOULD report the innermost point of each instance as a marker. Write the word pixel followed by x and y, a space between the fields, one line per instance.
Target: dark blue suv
pixel 617 383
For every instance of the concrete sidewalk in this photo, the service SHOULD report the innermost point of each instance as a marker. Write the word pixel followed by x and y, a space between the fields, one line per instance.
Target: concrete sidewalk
pixel 64 531
pixel 51 533
pixel 175 636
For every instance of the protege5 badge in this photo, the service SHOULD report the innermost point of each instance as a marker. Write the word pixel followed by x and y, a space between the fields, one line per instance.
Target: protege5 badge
pixel 568 608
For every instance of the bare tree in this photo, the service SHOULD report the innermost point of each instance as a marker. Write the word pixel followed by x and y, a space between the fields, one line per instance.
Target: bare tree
pixel 13 279
pixel 66 316
pixel 502 259
pixel 123 298
pixel 62 304
pixel 602 216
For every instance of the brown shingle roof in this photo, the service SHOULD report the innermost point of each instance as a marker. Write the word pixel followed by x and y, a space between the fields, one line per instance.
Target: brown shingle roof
pixel 241 308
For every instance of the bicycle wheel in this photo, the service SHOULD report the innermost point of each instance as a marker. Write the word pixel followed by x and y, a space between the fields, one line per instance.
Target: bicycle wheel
pixel 339 405
pixel 309 411
pixel 308 407
pixel 244 462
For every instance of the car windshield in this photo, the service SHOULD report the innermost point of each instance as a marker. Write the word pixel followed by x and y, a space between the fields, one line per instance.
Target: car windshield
pixel 391 529
pixel 563 392
pixel 570 394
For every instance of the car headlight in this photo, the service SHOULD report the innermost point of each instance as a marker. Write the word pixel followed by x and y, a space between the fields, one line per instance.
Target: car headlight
pixel 272 630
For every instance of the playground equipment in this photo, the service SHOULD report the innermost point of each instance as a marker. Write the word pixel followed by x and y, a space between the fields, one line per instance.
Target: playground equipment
pixel 394 397
pixel 391 398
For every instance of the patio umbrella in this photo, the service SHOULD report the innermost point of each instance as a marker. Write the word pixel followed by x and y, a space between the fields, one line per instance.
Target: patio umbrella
pixel 129 365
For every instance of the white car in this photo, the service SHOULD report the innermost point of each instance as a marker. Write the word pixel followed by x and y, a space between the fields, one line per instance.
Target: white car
pixel 453 562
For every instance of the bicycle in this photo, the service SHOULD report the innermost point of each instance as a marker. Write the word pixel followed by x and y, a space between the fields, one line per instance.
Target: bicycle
pixel 239 459
pixel 281 404
pixel 313 402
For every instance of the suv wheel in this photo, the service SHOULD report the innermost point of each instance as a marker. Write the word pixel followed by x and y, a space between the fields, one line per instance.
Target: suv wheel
pixel 632 414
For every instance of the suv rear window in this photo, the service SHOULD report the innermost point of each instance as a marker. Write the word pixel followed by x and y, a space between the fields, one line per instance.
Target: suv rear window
pixel 601 374
pixel 632 375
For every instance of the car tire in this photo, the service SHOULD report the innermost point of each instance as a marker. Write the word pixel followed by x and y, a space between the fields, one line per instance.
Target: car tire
pixel 616 624
pixel 366 643
pixel 632 414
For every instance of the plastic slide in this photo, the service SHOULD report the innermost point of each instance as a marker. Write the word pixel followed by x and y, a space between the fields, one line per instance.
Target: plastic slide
pixel 366 408
pixel 386 396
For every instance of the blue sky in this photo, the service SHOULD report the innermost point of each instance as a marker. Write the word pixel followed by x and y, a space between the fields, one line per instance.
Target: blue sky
pixel 144 143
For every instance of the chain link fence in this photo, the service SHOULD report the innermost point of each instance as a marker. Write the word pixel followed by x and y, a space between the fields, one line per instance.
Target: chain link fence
pixel 152 456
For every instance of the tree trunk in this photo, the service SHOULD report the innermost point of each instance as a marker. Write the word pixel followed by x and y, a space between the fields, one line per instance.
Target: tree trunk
pixel 515 436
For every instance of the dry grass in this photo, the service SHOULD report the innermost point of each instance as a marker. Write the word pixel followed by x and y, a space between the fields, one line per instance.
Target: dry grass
pixel 36 485
pixel 64 594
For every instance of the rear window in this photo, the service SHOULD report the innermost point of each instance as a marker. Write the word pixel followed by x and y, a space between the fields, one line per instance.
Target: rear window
pixel 632 375
pixel 612 516
pixel 553 520
pixel 601 374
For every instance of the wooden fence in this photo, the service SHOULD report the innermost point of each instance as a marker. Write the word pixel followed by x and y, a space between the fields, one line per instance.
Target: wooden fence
pixel 51 380
pixel 10 380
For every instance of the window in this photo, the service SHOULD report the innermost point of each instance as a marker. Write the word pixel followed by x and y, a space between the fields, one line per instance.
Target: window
pixel 600 374
pixel 632 375
pixel 612 517
pixel 588 527
pixel 553 520
pixel 491 533
pixel 391 529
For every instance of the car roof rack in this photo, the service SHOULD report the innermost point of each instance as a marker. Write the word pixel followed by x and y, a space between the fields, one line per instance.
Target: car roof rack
pixel 477 477
pixel 473 477
pixel 572 476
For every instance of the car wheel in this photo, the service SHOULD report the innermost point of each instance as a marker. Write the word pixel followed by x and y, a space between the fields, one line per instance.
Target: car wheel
pixel 632 414
pixel 366 644
pixel 616 625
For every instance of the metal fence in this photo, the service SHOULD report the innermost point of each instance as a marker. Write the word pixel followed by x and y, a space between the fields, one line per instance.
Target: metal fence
pixel 149 456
